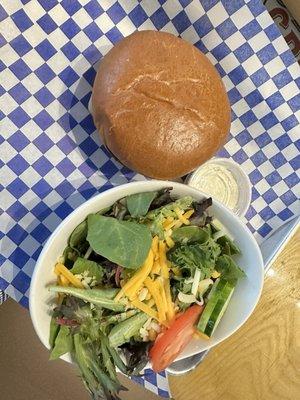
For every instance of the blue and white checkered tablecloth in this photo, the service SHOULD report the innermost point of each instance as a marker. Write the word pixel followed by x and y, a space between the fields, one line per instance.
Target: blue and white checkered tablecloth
pixel 3 297
pixel 49 150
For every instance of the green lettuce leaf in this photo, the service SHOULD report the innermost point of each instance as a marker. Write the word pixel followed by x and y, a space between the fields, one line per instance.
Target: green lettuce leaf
pixel 189 234
pixel 228 246
pixel 138 204
pixel 188 257
pixel 229 270
pixel 63 343
pixel 78 236
pixel 93 269
pixel 54 329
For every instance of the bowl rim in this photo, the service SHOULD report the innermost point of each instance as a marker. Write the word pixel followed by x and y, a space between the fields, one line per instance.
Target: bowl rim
pixel 139 184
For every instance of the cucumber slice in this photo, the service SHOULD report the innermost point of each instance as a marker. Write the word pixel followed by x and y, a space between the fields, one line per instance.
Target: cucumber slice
pixel 217 286
pixel 215 308
pixel 213 297
pixel 218 313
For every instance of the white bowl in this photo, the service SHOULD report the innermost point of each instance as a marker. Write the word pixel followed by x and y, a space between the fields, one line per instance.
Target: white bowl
pixel 242 303
pixel 240 176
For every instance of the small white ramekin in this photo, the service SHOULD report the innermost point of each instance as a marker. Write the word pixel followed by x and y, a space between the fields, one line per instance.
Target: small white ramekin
pixel 240 176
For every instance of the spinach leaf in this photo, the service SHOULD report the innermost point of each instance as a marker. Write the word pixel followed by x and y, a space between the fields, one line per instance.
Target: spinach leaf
pixel 77 240
pixel 228 246
pixel 229 270
pixel 69 255
pixel 78 235
pixel 189 234
pixel 63 343
pixel 138 204
pixel 123 242
pixel 94 270
pixel 54 329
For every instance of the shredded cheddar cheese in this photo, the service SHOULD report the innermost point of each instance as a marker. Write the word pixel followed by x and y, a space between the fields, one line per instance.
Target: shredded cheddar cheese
pixel 169 241
pixel 215 274
pixel 61 269
pixel 155 293
pixel 169 221
pixel 163 260
pixel 177 224
pixel 148 297
pixel 63 281
pixel 181 217
pixel 154 246
pixel 150 303
pixel 156 263
pixel 156 267
pixel 176 271
pixel 169 225
pixel 135 283
pixel 188 213
pixel 60 296
pixel 145 308
pixel 160 282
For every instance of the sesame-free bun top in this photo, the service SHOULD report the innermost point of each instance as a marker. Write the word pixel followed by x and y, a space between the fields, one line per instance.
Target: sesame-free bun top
pixel 160 105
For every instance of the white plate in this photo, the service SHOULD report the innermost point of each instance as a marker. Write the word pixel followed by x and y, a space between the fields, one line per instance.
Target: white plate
pixel 242 303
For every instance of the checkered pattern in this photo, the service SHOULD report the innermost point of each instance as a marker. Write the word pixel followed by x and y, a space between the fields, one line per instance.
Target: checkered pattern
pixel 3 297
pixel 157 383
pixel 49 150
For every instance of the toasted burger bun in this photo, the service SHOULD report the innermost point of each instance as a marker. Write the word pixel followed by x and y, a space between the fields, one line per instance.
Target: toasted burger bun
pixel 160 105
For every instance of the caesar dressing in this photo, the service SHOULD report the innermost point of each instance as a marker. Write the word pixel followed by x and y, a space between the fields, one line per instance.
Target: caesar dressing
pixel 217 181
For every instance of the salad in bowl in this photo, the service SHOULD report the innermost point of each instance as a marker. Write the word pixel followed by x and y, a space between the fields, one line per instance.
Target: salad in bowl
pixel 137 282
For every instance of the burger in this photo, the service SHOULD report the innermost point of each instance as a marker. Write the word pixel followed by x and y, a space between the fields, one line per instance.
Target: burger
pixel 160 105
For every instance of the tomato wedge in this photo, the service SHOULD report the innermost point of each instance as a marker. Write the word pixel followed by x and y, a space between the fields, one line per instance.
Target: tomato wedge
pixel 170 343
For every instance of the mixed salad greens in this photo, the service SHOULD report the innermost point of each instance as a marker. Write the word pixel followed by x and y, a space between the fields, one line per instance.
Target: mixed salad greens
pixel 136 282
